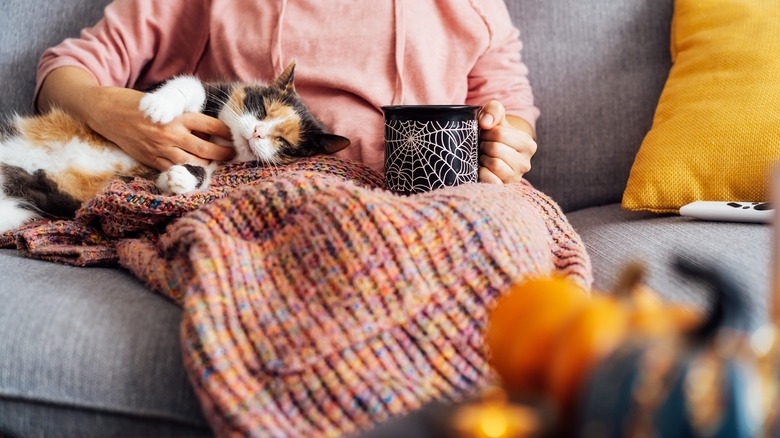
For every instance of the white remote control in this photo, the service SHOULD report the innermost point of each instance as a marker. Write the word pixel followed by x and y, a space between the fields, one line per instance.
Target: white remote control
pixel 729 211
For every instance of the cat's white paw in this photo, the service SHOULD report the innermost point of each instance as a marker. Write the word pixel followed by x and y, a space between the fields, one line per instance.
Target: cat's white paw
pixel 177 180
pixel 174 98
pixel 160 109
pixel 13 214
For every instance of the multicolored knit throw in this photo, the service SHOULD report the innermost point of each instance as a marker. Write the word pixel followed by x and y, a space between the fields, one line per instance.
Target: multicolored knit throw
pixel 136 208
pixel 317 303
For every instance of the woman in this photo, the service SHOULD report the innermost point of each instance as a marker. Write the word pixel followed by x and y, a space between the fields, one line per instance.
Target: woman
pixel 352 57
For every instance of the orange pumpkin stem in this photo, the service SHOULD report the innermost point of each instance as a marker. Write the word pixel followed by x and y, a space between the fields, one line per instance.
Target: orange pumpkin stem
pixel 631 276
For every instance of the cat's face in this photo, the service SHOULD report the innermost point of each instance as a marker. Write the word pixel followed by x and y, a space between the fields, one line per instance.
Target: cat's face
pixel 270 123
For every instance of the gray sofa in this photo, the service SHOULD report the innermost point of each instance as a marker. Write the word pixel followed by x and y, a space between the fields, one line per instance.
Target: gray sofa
pixel 91 352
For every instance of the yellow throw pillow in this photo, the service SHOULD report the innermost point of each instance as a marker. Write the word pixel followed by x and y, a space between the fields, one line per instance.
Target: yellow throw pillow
pixel 716 131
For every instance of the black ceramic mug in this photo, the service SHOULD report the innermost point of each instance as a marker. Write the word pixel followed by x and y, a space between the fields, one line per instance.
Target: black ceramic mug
pixel 428 147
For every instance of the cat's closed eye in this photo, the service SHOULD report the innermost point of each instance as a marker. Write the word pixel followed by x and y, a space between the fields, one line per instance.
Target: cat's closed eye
pixel 283 141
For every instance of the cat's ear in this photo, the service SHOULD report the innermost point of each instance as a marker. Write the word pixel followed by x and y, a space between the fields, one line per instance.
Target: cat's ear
pixel 332 143
pixel 286 80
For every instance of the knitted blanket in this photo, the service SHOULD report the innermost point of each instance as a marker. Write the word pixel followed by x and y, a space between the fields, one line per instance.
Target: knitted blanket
pixel 315 302
pixel 137 209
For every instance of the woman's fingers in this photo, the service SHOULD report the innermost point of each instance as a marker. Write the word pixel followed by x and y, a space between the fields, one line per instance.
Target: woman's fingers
pixel 206 124
pixel 492 114
pixel 487 176
pixel 504 161
pixel 203 149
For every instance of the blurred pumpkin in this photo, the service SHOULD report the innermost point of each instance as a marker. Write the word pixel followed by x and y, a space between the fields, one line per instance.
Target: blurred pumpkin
pixel 545 335
pixel 632 310
pixel 591 335
pixel 648 314
pixel 699 383
pixel 523 327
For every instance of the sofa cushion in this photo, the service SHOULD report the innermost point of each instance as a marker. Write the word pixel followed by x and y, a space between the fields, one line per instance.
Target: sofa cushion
pixel 614 236
pixel 597 68
pixel 715 133
pixel 90 343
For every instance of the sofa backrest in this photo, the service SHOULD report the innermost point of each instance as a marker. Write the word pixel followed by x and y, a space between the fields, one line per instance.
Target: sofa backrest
pixel 597 68
pixel 27 28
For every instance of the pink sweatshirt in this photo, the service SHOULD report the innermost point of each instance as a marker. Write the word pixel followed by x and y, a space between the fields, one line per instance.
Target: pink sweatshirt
pixel 352 56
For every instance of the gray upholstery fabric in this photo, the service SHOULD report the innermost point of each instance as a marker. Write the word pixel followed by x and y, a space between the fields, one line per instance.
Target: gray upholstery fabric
pixel 33 420
pixel 614 237
pixel 597 69
pixel 27 28
pixel 90 339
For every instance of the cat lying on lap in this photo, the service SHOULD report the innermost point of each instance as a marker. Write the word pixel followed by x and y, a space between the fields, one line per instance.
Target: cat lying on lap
pixel 50 164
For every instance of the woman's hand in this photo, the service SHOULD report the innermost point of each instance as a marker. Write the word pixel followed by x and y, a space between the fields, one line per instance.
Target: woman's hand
pixel 116 116
pixel 113 113
pixel 506 145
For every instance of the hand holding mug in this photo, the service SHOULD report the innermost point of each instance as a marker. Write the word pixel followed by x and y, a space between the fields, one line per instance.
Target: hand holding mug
pixel 506 145
pixel 428 147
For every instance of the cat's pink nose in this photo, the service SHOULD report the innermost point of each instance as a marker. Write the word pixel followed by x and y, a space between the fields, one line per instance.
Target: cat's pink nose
pixel 260 132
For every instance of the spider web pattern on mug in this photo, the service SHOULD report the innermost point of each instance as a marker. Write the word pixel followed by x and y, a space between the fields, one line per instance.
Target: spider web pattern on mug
pixel 418 162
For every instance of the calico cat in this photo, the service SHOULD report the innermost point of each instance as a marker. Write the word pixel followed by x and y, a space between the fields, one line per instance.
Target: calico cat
pixel 50 164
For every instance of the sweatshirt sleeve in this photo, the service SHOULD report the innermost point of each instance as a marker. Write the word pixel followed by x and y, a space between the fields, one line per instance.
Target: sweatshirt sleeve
pixel 136 44
pixel 500 73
